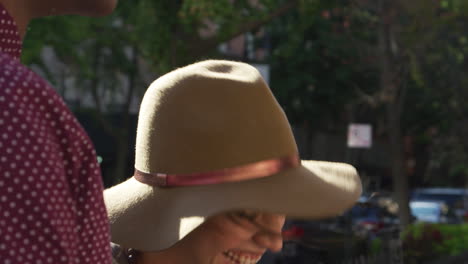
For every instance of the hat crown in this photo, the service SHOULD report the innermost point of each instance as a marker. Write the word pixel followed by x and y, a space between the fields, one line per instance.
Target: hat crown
pixel 209 116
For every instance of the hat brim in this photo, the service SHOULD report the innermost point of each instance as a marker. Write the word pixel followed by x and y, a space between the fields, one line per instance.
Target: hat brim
pixel 148 218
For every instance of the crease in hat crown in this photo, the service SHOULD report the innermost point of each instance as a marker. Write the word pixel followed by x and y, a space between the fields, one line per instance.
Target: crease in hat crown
pixel 209 116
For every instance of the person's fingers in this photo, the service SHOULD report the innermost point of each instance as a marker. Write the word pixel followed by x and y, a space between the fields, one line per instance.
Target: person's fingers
pixel 229 230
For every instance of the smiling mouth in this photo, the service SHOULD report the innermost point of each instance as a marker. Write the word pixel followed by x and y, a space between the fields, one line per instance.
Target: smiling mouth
pixel 238 258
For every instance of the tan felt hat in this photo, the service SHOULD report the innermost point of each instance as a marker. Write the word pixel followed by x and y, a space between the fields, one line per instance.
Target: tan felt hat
pixel 212 138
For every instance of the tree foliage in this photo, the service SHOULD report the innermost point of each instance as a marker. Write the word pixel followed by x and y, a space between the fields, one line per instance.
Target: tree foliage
pixel 327 57
pixel 111 60
pixel 316 68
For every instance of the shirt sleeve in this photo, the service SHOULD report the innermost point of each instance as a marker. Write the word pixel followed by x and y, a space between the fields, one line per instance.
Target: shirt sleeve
pixel 51 206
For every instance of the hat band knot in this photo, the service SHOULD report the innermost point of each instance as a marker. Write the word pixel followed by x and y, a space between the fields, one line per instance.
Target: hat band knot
pixel 249 171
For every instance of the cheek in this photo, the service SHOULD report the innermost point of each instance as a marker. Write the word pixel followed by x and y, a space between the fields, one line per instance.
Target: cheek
pixel 281 221
pixel 234 235
pixel 274 223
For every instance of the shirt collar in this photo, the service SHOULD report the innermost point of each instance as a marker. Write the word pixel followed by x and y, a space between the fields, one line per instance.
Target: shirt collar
pixel 10 40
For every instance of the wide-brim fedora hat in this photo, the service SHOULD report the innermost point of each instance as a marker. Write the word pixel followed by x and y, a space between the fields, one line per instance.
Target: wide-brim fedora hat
pixel 212 138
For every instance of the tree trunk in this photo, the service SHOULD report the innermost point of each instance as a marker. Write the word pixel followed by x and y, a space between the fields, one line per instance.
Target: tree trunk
pixel 121 157
pixel 119 134
pixel 122 150
pixel 400 179
pixel 392 94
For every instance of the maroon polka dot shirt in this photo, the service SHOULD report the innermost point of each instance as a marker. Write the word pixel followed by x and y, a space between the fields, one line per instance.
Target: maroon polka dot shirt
pixel 51 205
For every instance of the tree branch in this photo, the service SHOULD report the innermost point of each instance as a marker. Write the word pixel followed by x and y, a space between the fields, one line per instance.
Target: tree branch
pixel 105 124
pixel 205 45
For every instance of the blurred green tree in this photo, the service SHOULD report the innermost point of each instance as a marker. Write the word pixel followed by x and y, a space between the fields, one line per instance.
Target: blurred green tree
pixel 441 88
pixel 113 59
pixel 394 58
pixel 317 68
pixel 407 32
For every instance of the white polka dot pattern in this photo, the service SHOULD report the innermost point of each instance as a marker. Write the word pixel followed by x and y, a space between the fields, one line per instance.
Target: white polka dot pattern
pixel 10 41
pixel 51 205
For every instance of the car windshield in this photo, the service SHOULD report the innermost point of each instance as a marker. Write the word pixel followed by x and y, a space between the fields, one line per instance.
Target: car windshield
pixel 424 210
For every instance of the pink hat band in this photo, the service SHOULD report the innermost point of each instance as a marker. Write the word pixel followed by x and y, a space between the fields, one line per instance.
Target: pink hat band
pixel 249 171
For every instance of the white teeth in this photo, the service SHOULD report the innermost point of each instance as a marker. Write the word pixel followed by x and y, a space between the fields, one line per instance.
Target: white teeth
pixel 240 259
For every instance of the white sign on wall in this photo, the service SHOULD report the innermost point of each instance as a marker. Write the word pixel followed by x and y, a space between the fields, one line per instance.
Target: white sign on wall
pixel 359 136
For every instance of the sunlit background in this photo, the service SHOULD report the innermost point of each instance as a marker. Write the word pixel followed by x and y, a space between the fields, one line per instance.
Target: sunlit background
pixel 380 84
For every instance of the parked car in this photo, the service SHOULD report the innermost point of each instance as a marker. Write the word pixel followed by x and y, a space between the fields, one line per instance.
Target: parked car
pixel 317 241
pixel 339 238
pixel 433 212
pixel 450 196
pixel 456 199
pixel 372 213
